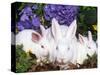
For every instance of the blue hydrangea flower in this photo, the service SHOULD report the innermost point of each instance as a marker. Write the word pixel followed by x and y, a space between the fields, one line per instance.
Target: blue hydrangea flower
pixel 65 14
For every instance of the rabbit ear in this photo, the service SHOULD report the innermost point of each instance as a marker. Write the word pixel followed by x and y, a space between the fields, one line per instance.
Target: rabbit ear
pixel 89 35
pixel 81 39
pixel 43 30
pixel 36 37
pixel 56 32
pixel 72 29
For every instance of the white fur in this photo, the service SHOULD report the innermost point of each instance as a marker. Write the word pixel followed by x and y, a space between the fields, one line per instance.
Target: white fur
pixel 25 38
pixel 64 37
pixel 60 43
pixel 86 45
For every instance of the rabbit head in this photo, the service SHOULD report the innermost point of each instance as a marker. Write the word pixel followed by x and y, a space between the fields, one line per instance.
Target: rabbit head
pixel 34 42
pixel 88 43
pixel 64 52
pixel 42 42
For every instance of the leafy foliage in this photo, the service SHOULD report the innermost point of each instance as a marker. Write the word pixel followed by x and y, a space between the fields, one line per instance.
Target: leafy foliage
pixel 23 60
pixel 91 62
pixel 86 18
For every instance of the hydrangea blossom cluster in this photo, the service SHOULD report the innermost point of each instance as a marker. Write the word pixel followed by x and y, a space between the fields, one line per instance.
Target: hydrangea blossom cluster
pixel 65 14
pixel 28 19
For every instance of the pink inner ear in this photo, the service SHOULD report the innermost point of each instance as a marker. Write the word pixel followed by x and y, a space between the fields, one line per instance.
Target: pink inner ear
pixel 89 35
pixel 35 37
pixel 81 39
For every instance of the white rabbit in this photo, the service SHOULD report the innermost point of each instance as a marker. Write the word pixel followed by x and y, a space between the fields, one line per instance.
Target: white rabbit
pixel 34 42
pixel 86 45
pixel 51 38
pixel 64 37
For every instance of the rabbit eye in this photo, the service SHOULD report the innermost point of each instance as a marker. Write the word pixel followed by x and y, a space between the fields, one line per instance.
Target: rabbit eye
pixel 89 47
pixel 68 48
pixel 42 46
pixel 57 48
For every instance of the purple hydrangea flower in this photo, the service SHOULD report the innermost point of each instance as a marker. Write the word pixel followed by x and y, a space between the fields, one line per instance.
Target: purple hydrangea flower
pixel 28 20
pixel 24 25
pixel 36 21
pixel 20 27
pixel 24 17
pixel 65 14
pixel 27 10
pixel 33 23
